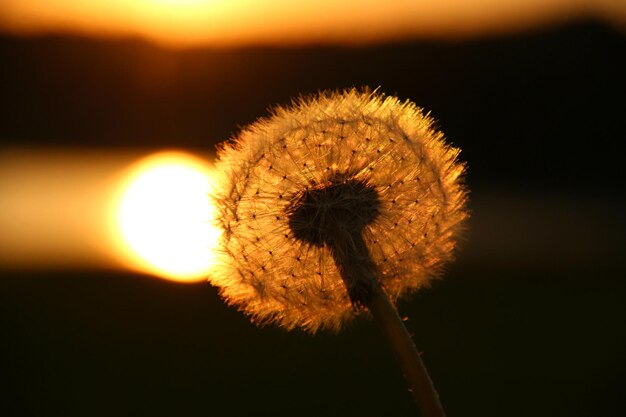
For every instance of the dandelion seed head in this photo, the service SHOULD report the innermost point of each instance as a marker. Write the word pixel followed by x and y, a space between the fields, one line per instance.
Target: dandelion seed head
pixel 355 160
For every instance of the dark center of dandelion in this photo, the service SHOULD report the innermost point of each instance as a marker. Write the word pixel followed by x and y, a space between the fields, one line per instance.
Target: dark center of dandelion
pixel 342 205
pixel 333 214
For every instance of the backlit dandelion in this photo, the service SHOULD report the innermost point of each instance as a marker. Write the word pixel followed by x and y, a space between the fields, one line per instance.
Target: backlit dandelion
pixel 374 161
pixel 332 202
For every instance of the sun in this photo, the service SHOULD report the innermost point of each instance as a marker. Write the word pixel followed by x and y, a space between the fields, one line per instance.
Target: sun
pixel 164 217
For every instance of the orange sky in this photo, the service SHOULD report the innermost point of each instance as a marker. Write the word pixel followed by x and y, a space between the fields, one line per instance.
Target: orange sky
pixel 223 22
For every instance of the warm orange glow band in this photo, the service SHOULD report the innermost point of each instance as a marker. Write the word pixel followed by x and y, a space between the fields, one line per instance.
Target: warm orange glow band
pixel 80 209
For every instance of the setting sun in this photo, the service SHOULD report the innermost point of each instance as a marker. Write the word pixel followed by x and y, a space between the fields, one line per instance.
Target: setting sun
pixel 164 217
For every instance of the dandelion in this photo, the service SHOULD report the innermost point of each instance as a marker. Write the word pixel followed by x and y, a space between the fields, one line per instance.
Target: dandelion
pixel 335 206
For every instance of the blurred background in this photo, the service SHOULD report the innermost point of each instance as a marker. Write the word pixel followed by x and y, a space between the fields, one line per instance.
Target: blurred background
pixel 109 114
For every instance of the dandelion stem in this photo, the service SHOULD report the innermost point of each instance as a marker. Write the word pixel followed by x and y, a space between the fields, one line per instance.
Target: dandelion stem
pixel 414 370
pixel 359 274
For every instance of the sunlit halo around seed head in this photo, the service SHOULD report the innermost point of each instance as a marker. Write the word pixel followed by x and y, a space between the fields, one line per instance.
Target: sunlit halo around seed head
pixel 353 161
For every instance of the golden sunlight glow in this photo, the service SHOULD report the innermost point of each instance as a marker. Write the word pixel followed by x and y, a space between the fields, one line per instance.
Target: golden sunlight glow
pixel 106 209
pixel 236 22
pixel 164 218
pixel 181 3
pixel 55 207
